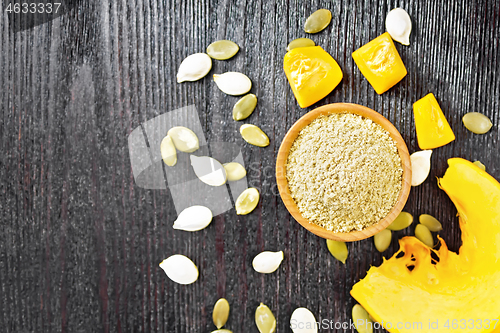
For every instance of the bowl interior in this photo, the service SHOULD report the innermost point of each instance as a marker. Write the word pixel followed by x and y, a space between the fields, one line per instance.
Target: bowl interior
pixel 283 183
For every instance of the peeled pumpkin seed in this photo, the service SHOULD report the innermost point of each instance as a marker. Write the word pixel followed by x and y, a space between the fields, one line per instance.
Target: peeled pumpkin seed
pixel 168 152
pixel 430 222
pixel 480 165
pixel 424 235
pixel 382 240
pixel 244 107
pixel 267 262
pixel 420 166
pixel 318 21
pixel 193 218
pixel 338 250
pixel 254 135
pixel 194 67
pixel 401 222
pixel 247 201
pixel 222 49
pixel 208 170
pixel 361 319
pixel 234 171
pixel 233 83
pixel 184 139
pixel 264 319
pixel 303 321
pixel 477 122
pixel 180 269
pixel 300 42
pixel 221 313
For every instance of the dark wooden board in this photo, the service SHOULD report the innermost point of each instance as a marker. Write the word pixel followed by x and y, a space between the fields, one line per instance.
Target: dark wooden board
pixel 80 243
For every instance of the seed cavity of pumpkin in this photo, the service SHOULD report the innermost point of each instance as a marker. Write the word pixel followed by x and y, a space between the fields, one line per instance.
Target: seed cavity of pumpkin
pixel 193 218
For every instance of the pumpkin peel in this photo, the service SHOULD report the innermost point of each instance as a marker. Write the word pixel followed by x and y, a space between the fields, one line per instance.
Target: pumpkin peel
pixel 436 290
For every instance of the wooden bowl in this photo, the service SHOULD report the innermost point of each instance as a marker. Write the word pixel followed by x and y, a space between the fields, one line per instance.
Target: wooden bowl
pixel 283 183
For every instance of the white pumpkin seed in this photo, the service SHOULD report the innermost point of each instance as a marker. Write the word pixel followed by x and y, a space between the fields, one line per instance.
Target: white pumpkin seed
pixel 338 250
pixel 318 21
pixel 222 49
pixel 420 166
pixel 430 222
pixel 300 42
pixel 267 261
pixel 306 319
pixel 168 152
pixel 402 221
pixel 233 83
pixel 180 269
pixel 193 218
pixel 234 171
pixel 184 139
pixel 480 165
pixel 264 319
pixel 208 170
pixel 477 122
pixel 398 25
pixel 247 201
pixel 361 319
pixel 244 107
pixel 424 235
pixel 382 240
pixel 254 135
pixel 194 67
pixel 221 313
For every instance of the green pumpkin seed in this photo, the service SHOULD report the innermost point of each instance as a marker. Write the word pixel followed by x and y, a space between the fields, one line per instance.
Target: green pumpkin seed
pixel 244 107
pixel 318 21
pixel 254 135
pixel 168 152
pixel 184 139
pixel 401 222
pixel 430 222
pixel 300 42
pixel 338 250
pixel 480 165
pixel 477 122
pixel 247 201
pixel 264 319
pixel 361 319
pixel 382 240
pixel 222 331
pixel 221 313
pixel 234 171
pixel 424 235
pixel 222 49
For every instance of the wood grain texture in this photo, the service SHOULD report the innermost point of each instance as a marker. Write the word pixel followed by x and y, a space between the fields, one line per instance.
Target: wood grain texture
pixel 80 243
pixel 282 182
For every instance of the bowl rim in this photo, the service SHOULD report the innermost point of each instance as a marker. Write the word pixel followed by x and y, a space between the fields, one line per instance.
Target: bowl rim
pixel 282 182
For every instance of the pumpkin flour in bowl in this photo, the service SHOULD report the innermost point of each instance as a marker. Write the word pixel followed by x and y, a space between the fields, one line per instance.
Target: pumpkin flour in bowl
pixel 344 172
